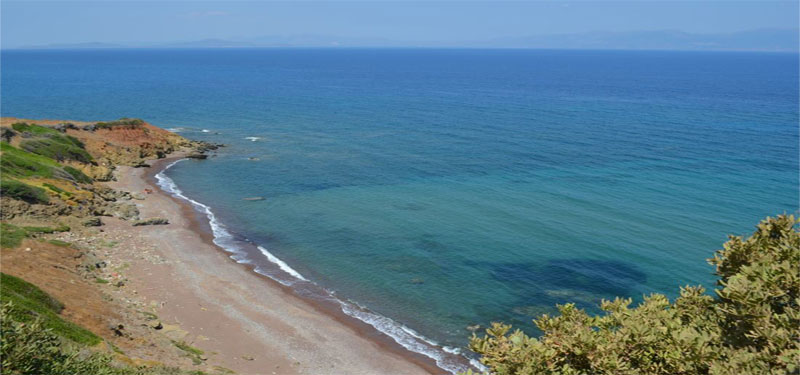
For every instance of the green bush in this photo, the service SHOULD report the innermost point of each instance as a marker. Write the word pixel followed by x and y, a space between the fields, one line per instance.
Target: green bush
pixel 48 230
pixel 31 348
pixel 750 327
pixel 21 191
pixel 77 175
pixel 127 122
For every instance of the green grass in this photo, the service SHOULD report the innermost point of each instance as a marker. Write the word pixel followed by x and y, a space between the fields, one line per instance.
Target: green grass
pixel 11 236
pixel 100 281
pixel 21 163
pixel 59 243
pixel 57 147
pixel 51 143
pixel 191 352
pixel 57 189
pixel 33 129
pixel 22 191
pixel 31 302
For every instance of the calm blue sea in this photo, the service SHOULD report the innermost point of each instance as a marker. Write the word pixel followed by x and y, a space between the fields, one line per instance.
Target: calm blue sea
pixel 448 188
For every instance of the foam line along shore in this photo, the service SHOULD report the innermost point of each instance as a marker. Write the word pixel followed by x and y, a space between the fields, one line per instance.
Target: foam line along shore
pixel 263 262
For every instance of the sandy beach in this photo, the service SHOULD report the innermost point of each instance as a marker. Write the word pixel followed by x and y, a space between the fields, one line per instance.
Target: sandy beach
pixel 251 324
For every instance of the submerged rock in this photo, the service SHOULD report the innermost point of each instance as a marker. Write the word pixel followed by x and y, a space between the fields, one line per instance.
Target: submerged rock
pixel 253 199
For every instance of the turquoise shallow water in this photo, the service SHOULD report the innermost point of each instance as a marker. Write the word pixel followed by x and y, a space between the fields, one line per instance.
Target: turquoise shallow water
pixel 446 188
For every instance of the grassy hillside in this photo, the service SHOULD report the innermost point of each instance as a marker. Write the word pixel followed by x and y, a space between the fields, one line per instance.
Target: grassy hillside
pixel 30 303
pixel 35 340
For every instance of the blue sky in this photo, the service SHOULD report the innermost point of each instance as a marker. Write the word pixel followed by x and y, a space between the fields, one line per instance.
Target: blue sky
pixel 34 22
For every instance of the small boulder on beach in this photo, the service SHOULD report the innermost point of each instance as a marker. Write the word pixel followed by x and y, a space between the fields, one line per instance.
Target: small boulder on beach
pixel 153 221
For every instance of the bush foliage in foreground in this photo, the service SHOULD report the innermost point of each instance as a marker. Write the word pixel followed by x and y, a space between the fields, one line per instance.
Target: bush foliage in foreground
pixel 31 349
pixel 752 326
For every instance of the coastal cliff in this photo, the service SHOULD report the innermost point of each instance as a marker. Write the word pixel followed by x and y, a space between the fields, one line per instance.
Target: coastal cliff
pixel 60 284
pixel 55 169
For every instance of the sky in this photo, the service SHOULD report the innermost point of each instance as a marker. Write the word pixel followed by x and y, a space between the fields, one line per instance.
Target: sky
pixel 33 22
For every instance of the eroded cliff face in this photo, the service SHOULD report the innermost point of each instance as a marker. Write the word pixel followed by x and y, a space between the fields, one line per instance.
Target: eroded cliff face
pixel 65 231
pixel 55 169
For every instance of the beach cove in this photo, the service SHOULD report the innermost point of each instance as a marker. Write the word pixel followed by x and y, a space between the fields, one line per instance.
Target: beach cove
pixel 255 324
pixel 138 267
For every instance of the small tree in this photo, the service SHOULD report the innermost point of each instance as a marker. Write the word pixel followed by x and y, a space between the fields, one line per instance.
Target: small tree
pixel 752 326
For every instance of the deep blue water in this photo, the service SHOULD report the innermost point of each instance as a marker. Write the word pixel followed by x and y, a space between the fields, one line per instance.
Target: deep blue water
pixel 445 188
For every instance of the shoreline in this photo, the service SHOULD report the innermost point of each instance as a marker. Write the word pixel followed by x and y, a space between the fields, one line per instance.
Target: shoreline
pixel 196 223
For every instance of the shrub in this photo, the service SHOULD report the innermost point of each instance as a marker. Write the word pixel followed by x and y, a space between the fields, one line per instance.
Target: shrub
pixel 126 122
pixel 77 175
pixel 33 349
pixel 6 134
pixel 21 191
pixel 48 230
pixel 151 221
pixel 751 327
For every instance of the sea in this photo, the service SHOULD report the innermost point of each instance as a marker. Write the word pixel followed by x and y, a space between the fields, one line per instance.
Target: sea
pixel 434 191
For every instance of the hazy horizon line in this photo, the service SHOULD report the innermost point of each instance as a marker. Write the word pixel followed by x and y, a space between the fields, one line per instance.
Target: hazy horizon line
pixel 752 40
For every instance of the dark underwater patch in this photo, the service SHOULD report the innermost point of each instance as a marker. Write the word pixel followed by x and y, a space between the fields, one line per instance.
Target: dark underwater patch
pixel 540 287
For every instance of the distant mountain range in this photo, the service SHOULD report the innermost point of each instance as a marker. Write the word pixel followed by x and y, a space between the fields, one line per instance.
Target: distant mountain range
pixel 778 40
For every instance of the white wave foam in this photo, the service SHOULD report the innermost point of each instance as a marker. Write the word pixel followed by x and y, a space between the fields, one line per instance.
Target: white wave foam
pixel 261 271
pixel 451 350
pixel 281 264
pixel 405 336
pixel 253 139
pixel 206 131
pixel 222 237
